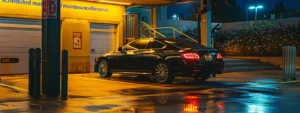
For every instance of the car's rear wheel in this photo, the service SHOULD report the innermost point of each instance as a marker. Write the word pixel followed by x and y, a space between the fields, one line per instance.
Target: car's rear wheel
pixel 163 73
pixel 201 77
pixel 104 69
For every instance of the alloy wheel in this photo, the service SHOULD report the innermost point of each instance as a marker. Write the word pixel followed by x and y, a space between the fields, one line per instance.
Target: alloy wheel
pixel 161 72
pixel 103 68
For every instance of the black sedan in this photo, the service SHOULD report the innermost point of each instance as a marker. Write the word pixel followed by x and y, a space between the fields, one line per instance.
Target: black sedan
pixel 164 58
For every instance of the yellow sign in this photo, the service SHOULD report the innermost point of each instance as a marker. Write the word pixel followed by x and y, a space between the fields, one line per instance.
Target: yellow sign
pixel 69 9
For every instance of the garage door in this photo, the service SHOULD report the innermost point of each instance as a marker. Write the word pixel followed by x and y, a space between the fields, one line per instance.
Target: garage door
pixel 17 36
pixel 102 40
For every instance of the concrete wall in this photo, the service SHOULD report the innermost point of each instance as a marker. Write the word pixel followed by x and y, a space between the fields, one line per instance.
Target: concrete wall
pixel 285 22
pixel 272 60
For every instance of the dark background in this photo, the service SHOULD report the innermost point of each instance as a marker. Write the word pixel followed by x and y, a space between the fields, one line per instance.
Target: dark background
pixel 235 10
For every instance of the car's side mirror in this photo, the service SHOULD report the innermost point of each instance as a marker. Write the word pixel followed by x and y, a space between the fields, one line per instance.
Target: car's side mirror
pixel 120 49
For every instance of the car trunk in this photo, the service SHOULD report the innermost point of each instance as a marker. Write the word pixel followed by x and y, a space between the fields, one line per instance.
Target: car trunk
pixel 207 55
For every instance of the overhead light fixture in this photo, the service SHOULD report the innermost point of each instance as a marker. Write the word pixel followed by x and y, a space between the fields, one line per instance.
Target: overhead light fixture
pixel 114 2
pixel 252 7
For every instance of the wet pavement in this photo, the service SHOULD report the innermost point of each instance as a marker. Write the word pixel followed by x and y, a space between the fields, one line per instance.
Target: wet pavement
pixel 242 92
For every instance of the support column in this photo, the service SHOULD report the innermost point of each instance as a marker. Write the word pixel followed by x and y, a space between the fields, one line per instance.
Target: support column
pixel 206 23
pixel 154 17
pixel 51 47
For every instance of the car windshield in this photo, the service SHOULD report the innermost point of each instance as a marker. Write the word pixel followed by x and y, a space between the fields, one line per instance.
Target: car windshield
pixel 183 43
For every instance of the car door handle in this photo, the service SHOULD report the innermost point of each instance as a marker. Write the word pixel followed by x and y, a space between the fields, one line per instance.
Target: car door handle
pixel 137 53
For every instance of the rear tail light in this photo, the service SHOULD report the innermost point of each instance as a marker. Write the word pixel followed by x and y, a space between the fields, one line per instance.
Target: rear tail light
pixel 219 56
pixel 190 56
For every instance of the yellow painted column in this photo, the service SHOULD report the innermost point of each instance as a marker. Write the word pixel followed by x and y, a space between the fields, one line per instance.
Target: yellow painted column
pixel 79 51
pixel 206 23
pixel 120 35
pixel 154 17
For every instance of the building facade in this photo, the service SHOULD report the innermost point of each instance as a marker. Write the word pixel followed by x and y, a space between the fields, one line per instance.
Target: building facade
pixel 87 30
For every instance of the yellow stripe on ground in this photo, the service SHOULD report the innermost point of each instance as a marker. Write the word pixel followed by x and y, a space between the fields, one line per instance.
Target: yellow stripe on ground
pixel 13 87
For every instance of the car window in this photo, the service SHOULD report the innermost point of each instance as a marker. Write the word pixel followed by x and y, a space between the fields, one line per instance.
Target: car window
pixel 128 48
pixel 183 43
pixel 156 45
pixel 140 44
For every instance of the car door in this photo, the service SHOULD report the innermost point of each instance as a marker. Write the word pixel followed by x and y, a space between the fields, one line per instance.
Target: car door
pixel 131 60
pixel 147 57
pixel 118 62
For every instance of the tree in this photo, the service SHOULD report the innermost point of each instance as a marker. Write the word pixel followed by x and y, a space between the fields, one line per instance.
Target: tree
pixel 276 9
pixel 181 16
pixel 279 9
pixel 282 7
pixel 222 11
pixel 193 12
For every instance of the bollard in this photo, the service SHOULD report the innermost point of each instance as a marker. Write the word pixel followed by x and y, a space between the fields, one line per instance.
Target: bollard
pixel 64 86
pixel 30 71
pixel 37 73
pixel 289 62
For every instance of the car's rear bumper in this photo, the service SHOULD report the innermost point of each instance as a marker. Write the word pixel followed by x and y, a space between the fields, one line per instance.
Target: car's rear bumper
pixel 201 68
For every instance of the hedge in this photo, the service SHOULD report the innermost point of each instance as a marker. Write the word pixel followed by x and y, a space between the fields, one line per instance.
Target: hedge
pixel 258 39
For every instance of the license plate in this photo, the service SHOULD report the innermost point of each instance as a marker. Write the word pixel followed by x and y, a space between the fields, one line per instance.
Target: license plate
pixel 208 57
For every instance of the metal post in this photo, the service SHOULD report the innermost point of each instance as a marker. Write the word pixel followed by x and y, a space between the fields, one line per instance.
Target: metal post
pixel 247 12
pixel 255 14
pixel 294 51
pixel 199 27
pixel 64 86
pixel 51 27
pixel 37 73
pixel 30 71
pixel 289 62
pixel 212 42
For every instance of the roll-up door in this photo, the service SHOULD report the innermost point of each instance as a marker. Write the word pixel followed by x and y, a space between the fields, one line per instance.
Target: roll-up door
pixel 102 40
pixel 17 36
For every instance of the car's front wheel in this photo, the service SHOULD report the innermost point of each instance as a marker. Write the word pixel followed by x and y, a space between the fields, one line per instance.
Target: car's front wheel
pixel 163 73
pixel 104 69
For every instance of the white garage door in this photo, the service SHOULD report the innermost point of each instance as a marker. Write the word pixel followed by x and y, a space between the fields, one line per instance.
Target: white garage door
pixel 17 36
pixel 102 40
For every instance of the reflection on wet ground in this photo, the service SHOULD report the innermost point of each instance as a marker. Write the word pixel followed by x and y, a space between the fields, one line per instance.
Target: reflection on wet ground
pixel 261 95
pixel 213 100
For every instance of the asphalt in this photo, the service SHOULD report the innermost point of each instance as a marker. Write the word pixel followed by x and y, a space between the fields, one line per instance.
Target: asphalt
pixel 237 92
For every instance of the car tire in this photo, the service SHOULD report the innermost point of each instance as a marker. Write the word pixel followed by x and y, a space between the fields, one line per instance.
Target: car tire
pixel 162 73
pixel 103 69
pixel 200 77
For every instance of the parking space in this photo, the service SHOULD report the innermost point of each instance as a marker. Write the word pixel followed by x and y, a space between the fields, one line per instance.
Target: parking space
pixel 245 91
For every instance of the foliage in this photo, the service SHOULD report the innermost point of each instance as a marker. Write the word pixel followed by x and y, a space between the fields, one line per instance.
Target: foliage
pixel 191 32
pixel 261 39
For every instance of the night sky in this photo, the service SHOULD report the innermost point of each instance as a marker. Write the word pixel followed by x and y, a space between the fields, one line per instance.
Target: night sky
pixel 268 5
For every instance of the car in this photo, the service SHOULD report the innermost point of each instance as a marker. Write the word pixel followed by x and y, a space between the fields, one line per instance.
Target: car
pixel 163 58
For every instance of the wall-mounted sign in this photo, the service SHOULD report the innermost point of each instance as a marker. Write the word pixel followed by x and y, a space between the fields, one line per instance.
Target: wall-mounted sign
pixel 9 60
pixel 77 40
pixel 49 9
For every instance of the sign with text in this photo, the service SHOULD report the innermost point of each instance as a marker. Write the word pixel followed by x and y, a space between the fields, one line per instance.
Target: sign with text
pixel 77 40
pixel 9 60
pixel 49 9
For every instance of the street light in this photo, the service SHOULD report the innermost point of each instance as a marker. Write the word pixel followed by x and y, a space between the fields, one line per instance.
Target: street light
pixel 175 17
pixel 256 7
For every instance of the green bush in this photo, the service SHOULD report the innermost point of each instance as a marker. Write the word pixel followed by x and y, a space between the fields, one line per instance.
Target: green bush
pixel 260 39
